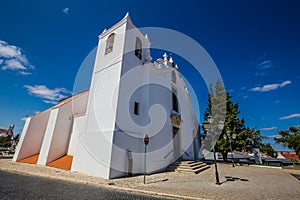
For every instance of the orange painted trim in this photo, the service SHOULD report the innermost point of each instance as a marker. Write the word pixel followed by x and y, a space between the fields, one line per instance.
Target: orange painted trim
pixel 30 160
pixel 64 162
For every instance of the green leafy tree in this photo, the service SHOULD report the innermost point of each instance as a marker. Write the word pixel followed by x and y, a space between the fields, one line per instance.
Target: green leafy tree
pixel 293 159
pixel 248 138
pixel 290 138
pixel 268 150
pixel 5 142
pixel 220 103
pixel 16 138
pixel 217 109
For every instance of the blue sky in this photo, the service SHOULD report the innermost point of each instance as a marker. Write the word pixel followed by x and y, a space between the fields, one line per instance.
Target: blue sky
pixel 255 45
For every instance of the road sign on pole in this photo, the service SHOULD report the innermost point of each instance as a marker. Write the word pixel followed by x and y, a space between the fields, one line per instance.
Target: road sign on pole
pixel 146 142
pixel 146 139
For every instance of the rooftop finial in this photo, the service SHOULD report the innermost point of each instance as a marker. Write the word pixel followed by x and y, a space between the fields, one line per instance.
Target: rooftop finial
pixel 165 57
pixel 171 59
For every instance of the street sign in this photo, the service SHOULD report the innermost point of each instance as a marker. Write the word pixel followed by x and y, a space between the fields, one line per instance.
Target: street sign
pixel 146 142
pixel 146 139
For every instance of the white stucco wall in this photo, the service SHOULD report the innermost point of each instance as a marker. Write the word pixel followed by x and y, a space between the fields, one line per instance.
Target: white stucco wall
pixel 61 134
pixel 189 124
pixel 79 109
pixel 156 91
pixel 160 149
pixel 93 149
pixel 42 160
pixel 79 103
pixel 31 142
pixel 59 130
pixel 23 136
pixel 77 123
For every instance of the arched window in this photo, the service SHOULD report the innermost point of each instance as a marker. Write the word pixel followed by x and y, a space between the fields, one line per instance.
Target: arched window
pixel 173 77
pixel 109 43
pixel 174 100
pixel 138 48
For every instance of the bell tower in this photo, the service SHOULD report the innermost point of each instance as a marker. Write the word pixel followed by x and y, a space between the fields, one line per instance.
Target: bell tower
pixel 120 48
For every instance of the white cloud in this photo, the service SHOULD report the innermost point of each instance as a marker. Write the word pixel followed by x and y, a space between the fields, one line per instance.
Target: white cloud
pixel 25 73
pixel 12 58
pixel 49 96
pixel 23 118
pixel 272 136
pixel 49 102
pixel 290 116
pixel 13 64
pixel 268 128
pixel 8 51
pixel 66 10
pixel 285 83
pixel 270 87
pixel 265 64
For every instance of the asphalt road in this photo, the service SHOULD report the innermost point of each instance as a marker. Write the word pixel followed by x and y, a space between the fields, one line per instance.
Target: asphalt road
pixel 17 186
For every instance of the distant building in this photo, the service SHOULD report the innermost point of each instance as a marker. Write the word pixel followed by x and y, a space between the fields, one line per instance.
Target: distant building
pixel 7 132
pixel 288 155
pixel 100 132
pixel 3 132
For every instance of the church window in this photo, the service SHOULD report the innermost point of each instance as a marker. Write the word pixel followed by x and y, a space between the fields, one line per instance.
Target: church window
pixel 109 43
pixel 174 100
pixel 173 77
pixel 136 110
pixel 138 48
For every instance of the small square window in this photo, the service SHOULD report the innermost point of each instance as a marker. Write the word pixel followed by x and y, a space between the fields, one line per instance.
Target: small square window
pixel 136 110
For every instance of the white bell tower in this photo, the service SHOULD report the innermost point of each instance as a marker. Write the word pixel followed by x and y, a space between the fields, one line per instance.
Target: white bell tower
pixel 120 48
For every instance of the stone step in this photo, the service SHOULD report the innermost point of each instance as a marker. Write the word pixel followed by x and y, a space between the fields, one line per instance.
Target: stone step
pixel 202 169
pixel 195 171
pixel 194 167
pixel 190 163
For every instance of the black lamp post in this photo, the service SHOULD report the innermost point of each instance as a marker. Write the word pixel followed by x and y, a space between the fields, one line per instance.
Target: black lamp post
pixel 207 125
pixel 230 141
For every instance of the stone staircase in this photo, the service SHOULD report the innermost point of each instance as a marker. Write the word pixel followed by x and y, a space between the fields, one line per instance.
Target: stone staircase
pixel 194 167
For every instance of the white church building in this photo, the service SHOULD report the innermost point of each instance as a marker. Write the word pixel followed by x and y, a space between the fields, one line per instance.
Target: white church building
pixel 101 131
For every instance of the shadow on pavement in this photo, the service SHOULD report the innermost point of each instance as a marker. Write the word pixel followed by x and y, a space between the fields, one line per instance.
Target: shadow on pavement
pixel 296 176
pixel 231 179
pixel 157 181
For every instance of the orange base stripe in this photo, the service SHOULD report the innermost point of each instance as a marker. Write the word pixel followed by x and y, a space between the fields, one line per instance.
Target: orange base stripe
pixel 30 160
pixel 64 162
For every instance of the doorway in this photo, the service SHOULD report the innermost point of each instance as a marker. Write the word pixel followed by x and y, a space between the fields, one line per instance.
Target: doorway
pixel 176 144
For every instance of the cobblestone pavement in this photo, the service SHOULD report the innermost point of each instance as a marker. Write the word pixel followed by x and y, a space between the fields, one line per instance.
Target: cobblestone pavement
pixel 18 186
pixel 241 182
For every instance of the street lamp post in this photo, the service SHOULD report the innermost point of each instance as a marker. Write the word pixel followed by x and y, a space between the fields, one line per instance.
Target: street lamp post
pixel 230 141
pixel 207 125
